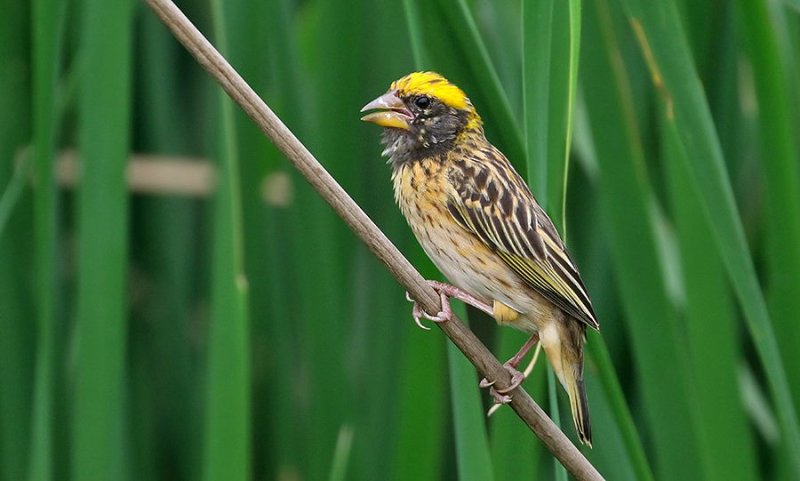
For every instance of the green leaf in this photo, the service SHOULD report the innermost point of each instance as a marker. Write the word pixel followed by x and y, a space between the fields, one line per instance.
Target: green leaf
pixel 13 191
pixel 660 37
pixel 416 35
pixel 462 23
pixel 270 249
pixel 47 29
pixel 17 308
pixel 419 450
pixel 615 398
pixel 710 332
pixel 342 454
pixel 516 453
pixel 227 416
pixel 548 120
pixel 537 31
pixel 795 4
pixel 101 328
pixel 473 456
pixel 555 413
pixel 778 129
pixel 661 366
pixel 560 182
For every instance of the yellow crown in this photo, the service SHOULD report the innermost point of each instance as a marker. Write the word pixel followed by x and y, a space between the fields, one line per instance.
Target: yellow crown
pixel 434 85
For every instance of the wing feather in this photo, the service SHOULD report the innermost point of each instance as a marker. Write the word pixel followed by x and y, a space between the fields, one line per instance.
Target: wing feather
pixel 501 211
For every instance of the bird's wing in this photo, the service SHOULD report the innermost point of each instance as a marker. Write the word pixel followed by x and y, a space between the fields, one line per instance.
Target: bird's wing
pixel 491 200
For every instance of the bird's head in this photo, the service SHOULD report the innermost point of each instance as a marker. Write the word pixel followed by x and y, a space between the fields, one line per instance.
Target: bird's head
pixel 423 114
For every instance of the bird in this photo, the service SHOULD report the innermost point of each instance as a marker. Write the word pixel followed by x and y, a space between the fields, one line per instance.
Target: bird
pixel 479 223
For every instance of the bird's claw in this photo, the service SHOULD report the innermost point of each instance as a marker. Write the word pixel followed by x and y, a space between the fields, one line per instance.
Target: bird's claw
pixel 516 379
pixel 446 291
pixel 442 316
pixel 499 399
pixel 501 396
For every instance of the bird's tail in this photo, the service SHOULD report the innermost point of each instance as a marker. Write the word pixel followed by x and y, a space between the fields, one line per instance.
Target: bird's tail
pixel 578 403
pixel 563 343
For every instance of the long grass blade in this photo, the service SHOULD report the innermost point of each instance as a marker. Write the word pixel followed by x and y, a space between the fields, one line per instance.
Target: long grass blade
pixel 537 31
pixel 460 19
pixel 12 193
pixel 537 85
pixel 104 135
pixel 615 397
pixel 548 119
pixel 342 454
pixel 611 459
pixel 710 332
pixel 16 306
pixel 621 449
pixel 166 378
pixel 665 50
pixel 778 131
pixel 515 453
pixel 227 436
pixel 416 35
pixel 795 4
pixel 255 33
pixel 419 450
pixel 572 87
pixel 661 365
pixel 47 38
pixel 323 255
pixel 473 456
pixel 560 473
pixel 274 310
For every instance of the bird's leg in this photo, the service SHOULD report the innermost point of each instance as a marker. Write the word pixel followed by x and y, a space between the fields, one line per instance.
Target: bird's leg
pixel 462 295
pixel 523 351
pixel 501 395
pixel 446 291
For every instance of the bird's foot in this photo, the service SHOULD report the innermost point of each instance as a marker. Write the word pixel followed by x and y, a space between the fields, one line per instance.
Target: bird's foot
pixel 501 396
pixel 446 291
pixel 442 316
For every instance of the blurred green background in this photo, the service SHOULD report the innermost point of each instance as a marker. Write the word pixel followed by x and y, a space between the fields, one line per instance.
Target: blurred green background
pixel 176 303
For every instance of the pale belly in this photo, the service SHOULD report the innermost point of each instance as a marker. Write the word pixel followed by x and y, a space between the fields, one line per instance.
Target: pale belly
pixel 460 255
pixel 470 265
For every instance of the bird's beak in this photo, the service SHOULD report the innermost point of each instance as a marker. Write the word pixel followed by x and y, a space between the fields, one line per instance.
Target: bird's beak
pixel 391 112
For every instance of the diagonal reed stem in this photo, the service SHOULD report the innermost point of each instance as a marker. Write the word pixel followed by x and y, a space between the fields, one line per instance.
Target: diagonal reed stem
pixel 368 232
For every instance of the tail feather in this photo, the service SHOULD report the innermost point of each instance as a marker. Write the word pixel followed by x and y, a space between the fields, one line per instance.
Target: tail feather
pixel 580 411
pixel 563 343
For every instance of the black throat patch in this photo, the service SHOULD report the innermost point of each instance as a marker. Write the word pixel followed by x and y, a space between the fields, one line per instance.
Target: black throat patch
pixel 428 136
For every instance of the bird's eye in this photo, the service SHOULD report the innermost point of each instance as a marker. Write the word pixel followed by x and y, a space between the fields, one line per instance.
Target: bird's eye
pixel 422 102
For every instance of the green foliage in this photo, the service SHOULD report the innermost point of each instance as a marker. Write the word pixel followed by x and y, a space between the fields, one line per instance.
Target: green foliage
pixel 243 333
pixel 99 382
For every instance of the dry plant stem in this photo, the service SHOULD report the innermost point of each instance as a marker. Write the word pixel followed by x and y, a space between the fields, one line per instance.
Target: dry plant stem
pixel 369 233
